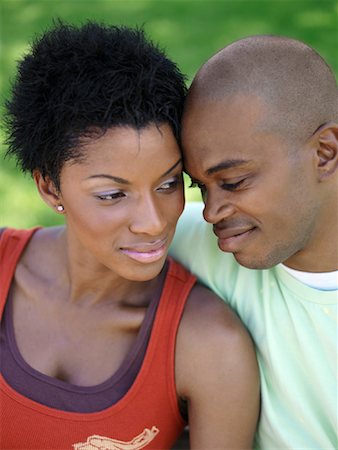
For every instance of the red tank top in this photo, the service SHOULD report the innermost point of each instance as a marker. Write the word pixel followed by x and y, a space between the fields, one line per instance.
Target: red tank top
pixel 146 417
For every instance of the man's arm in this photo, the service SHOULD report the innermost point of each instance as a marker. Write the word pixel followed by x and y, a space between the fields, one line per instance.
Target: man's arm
pixel 217 374
pixel 195 246
pixel 190 226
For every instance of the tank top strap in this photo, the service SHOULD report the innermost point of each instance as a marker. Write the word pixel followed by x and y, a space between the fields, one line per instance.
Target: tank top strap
pixel 160 360
pixel 177 287
pixel 12 244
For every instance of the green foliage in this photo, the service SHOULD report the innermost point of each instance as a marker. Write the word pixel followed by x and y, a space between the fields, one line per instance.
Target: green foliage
pixel 190 31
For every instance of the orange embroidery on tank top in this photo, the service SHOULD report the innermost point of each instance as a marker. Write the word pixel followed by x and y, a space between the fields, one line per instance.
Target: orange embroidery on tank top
pixel 96 442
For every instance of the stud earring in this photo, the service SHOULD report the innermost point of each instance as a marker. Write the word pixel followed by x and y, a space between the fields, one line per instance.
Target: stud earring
pixel 60 208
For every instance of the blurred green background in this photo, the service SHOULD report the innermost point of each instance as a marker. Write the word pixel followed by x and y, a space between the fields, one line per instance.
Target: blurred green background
pixel 189 30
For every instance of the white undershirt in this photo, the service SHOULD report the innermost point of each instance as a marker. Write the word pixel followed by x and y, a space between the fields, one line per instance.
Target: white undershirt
pixel 324 281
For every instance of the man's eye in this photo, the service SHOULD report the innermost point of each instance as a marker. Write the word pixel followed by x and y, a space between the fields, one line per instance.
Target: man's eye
pixel 232 186
pixel 194 184
pixel 110 195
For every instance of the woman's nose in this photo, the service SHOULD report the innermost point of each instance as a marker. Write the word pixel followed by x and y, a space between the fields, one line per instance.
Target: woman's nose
pixel 148 218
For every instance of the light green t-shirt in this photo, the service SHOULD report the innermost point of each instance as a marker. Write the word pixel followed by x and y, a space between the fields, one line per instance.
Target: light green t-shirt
pixel 294 328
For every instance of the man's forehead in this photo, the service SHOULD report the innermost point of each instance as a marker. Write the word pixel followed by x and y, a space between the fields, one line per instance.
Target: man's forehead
pixel 226 164
pixel 229 107
pixel 212 163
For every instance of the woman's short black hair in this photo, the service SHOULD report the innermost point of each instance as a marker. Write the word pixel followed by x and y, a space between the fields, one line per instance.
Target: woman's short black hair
pixel 80 81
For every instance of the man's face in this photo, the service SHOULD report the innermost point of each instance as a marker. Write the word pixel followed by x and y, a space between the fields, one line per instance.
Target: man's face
pixel 258 188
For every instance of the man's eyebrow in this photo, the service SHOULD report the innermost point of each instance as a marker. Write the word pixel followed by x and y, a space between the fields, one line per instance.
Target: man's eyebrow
pixel 123 181
pixel 227 164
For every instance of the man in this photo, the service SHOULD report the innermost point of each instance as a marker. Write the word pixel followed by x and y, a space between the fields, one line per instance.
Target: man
pixel 260 138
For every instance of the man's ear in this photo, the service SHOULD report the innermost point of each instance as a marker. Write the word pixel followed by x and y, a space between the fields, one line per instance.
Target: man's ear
pixel 47 190
pixel 327 150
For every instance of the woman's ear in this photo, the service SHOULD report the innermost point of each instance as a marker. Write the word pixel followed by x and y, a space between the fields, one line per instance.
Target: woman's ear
pixel 48 191
pixel 327 150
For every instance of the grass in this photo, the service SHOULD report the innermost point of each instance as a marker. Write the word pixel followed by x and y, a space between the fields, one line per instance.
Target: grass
pixel 190 31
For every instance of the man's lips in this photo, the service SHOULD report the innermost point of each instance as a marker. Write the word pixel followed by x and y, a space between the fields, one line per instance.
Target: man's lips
pixel 146 252
pixel 225 233
pixel 232 239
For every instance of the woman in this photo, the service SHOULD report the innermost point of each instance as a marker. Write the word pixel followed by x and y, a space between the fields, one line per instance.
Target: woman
pixel 106 343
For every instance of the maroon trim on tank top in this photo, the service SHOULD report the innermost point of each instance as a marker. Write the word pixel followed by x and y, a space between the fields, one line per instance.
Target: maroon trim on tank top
pixel 65 396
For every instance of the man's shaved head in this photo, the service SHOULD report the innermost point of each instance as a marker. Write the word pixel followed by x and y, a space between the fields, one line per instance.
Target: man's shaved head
pixel 296 84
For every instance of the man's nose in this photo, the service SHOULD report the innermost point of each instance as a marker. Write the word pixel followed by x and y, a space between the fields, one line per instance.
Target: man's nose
pixel 148 217
pixel 217 205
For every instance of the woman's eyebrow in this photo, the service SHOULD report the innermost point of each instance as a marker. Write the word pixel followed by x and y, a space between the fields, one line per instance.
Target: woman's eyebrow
pixel 172 168
pixel 124 181
pixel 110 177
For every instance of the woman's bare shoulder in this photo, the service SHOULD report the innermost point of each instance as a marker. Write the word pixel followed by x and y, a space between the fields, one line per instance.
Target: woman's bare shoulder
pixel 216 373
pixel 204 307
pixel 212 335
pixel 39 258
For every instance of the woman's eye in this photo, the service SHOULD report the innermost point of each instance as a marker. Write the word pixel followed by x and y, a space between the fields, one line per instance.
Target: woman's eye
pixel 110 195
pixel 232 186
pixel 170 185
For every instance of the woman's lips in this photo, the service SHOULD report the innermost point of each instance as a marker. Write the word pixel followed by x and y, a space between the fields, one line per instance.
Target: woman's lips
pixel 146 253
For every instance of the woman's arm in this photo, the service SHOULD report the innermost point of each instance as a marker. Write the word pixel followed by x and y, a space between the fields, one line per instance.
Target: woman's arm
pixel 217 374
